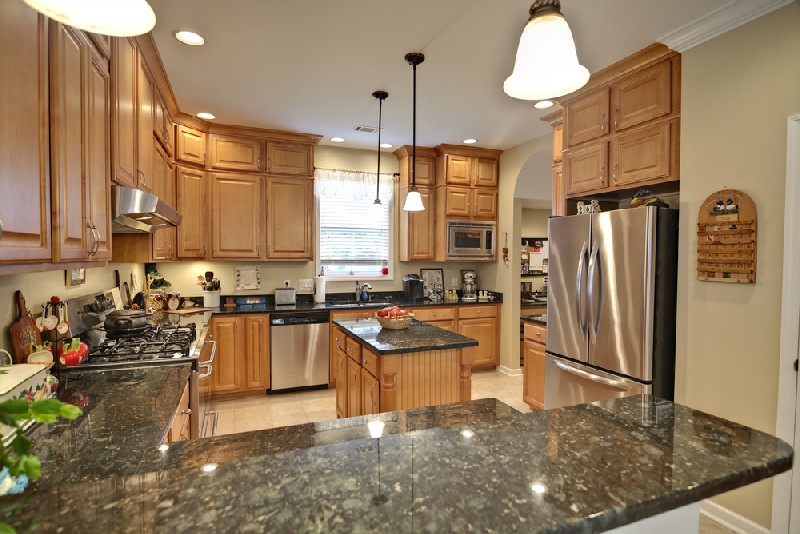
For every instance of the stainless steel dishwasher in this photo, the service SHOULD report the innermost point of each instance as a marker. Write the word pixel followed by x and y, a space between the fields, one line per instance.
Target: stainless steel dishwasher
pixel 299 356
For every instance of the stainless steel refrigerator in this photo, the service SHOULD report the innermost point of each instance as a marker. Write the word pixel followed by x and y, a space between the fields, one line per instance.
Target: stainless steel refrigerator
pixel 611 306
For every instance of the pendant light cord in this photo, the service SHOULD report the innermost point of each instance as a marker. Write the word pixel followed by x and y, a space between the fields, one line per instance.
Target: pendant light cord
pixel 414 132
pixel 381 96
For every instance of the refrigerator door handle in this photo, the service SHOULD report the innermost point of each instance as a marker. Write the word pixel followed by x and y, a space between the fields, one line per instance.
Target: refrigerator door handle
pixel 579 289
pixel 594 276
pixel 618 384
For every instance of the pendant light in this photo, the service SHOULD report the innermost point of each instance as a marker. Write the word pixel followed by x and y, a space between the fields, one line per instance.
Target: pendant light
pixel 381 96
pixel 414 200
pixel 119 18
pixel 547 63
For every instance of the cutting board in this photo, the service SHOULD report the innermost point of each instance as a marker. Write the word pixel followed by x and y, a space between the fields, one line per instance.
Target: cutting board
pixel 187 311
pixel 24 333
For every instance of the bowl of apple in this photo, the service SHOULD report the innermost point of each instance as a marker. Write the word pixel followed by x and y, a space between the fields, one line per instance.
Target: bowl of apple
pixel 394 318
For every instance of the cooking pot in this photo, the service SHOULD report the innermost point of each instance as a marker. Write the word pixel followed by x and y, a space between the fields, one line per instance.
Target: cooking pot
pixel 125 320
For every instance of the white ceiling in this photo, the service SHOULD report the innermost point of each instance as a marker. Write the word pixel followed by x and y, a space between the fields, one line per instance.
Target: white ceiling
pixel 311 65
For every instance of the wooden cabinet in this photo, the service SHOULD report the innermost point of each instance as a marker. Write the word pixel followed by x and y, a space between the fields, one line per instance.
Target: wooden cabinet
pixel 472 171
pixel 559 192
pixel 341 369
pixel 533 370
pixel 290 158
pixel 179 429
pixel 353 388
pixel 440 317
pixel 416 228
pixel 125 62
pixel 24 143
pixel 235 153
pixel 458 170
pixel 558 137
pixel 164 240
pixel 643 96
pixel 425 168
pixel 144 128
pixel 162 124
pixel 642 155
pixel 241 367
pixel 98 153
pixel 370 393
pixel 337 339
pixel 191 200
pixel 190 145
pixel 585 168
pixel 237 227
pixel 469 203
pixel 481 324
pixel 587 117
pixel 290 218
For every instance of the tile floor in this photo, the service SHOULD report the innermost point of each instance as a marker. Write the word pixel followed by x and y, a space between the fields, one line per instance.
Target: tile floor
pixel 272 411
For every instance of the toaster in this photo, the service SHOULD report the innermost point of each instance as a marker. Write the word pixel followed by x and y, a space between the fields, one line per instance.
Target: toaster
pixel 285 295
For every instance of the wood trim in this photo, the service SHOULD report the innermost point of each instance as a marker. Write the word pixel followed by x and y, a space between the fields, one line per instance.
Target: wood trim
pixel 468 151
pixel 245 131
pixel 422 151
pixel 26 268
pixel 147 48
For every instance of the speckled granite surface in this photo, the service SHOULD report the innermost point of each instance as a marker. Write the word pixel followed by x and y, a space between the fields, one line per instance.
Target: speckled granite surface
pixel 539 318
pixel 458 468
pixel 418 337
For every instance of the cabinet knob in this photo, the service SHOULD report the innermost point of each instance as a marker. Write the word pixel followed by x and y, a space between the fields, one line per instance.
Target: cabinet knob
pixel 187 411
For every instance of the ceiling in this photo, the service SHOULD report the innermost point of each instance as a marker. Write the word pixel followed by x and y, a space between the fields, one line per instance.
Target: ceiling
pixel 311 65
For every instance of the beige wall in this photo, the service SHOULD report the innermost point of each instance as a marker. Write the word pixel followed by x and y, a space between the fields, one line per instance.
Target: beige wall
pixel 738 90
pixel 534 222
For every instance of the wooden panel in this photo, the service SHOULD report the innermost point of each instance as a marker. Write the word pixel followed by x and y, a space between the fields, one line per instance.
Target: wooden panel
pixel 98 153
pixel 180 420
pixel 559 191
pixel 125 63
pixel 162 123
pixel 353 349
pixel 191 194
pixel 256 351
pixel 485 203
pixel 585 168
pixel 587 117
pixel 369 361
pixel 450 325
pixel 533 379
pixel 335 340
pixel 290 158
pixel 102 43
pixel 190 145
pixel 457 170
pixel 473 312
pixel 535 332
pixel 425 378
pixel 353 388
pixel 437 313
pixel 290 218
pixel 426 171
pixel 144 128
pixel 457 201
pixel 235 153
pixel 643 96
pixel 641 155
pixel 485 172
pixel 370 394
pixel 24 143
pixel 558 141
pixel 236 215
pixel 484 331
pixel 164 239
pixel 225 378
pixel 416 228
pixel 341 383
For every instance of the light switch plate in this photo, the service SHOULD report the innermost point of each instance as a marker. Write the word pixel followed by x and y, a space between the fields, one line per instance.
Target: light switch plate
pixel 306 283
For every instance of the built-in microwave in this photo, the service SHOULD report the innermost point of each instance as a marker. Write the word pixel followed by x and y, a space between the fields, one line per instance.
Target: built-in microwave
pixel 470 240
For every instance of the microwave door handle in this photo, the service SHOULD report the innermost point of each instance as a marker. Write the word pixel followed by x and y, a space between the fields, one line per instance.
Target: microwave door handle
pixel 617 384
pixel 594 272
pixel 579 289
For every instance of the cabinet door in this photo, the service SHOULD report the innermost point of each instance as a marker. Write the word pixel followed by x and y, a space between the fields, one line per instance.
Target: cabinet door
pixel 68 67
pixel 449 325
pixel 559 191
pixel 164 188
pixel 235 153
pixel 225 378
pixel 457 169
pixel 190 145
pixel 342 391
pixel 256 351
pixel 416 233
pixel 484 203
pixel 533 375
pixel 236 215
pixel 641 155
pixel 125 62
pixel 191 185
pixel 484 330
pixel 370 394
pixel 290 158
pixel 353 388
pixel 426 171
pixel 144 128
pixel 585 168
pixel 24 143
pixel 643 96
pixel 558 141
pixel 457 201
pixel 587 117
pixel 162 123
pixel 98 154
pixel 290 218
pixel 485 172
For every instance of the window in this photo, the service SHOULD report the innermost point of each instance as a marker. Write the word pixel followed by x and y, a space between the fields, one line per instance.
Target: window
pixel 354 233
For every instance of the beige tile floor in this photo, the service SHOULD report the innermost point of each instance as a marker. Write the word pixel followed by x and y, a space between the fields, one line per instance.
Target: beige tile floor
pixel 286 409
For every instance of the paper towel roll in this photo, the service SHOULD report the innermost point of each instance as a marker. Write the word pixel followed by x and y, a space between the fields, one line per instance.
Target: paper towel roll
pixel 319 289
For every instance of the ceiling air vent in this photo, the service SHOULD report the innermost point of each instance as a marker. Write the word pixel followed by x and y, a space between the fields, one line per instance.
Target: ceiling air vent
pixel 365 129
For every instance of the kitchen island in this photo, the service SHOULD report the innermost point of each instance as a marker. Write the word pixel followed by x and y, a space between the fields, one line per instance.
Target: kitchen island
pixel 473 466
pixel 382 370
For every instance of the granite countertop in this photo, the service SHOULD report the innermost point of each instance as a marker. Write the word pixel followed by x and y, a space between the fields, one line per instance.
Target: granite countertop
pixel 475 466
pixel 529 304
pixel 418 337
pixel 539 318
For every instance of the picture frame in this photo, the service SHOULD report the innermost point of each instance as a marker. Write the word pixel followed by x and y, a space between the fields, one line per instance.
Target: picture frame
pixel 75 277
pixel 430 277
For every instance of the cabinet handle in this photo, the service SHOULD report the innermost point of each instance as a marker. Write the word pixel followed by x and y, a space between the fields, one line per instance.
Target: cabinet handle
pixel 269 250
pixel 603 122
pixel 187 411
pixel 142 175
pixel 96 239
pixel 170 247
pixel 616 117
pixel 258 250
pixel 1 228
pixel 614 173
pixel 258 162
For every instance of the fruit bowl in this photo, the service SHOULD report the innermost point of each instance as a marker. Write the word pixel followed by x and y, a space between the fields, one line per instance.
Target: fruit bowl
pixel 395 323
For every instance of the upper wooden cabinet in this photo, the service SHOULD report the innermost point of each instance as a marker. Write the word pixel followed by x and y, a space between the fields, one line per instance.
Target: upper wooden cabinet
pixel 98 153
pixel 191 200
pixel 24 136
pixel 237 224
pixel 587 117
pixel 164 240
pixel 586 168
pixel 125 63
pixel 144 128
pixel 235 153
pixel 190 145
pixel 290 158
pixel 162 125
pixel 470 171
pixel 643 96
pixel 416 228
pixel 290 218
pixel 643 155
pixel 425 167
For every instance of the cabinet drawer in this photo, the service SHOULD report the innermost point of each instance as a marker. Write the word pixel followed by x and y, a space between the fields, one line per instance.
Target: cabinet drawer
pixel 339 338
pixel 369 361
pixel 353 349
pixel 536 332
pixel 433 314
pixel 474 312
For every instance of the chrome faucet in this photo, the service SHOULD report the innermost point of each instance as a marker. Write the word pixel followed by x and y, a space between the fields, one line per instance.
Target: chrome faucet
pixel 358 290
pixel 363 292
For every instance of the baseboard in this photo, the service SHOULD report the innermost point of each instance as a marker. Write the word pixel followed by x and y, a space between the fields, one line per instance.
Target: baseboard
pixel 508 371
pixel 731 519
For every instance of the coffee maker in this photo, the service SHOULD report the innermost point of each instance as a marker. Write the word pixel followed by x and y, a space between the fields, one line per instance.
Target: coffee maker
pixel 469 287
pixel 412 287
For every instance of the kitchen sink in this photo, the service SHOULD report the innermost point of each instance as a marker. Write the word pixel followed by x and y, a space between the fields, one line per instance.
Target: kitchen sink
pixel 360 305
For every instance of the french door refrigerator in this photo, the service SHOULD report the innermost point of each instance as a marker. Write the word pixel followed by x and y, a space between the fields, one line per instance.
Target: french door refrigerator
pixel 611 305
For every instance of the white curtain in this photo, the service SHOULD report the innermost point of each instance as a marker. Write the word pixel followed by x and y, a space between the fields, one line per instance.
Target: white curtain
pixel 352 185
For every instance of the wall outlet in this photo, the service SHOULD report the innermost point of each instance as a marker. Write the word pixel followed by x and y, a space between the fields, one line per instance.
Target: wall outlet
pixel 287 283
pixel 454 281
pixel 307 284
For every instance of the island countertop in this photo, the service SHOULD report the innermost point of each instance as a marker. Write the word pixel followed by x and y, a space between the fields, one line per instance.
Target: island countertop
pixel 474 466
pixel 418 337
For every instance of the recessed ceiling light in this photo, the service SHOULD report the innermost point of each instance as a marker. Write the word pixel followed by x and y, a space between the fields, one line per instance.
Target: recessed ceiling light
pixel 543 104
pixel 337 139
pixel 386 145
pixel 189 38
pixel 470 141
pixel 205 115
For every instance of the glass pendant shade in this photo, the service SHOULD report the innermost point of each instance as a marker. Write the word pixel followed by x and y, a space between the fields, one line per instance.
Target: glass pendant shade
pixel 413 200
pixel 547 63
pixel 118 18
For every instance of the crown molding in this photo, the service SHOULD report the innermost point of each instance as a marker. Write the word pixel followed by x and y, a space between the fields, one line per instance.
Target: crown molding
pixel 723 19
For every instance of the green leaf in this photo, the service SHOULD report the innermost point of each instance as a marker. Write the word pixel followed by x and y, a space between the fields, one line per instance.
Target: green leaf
pixel 5 528
pixel 8 419
pixel 15 406
pixel 45 417
pixel 46 406
pixel 21 444
pixel 68 411
pixel 30 465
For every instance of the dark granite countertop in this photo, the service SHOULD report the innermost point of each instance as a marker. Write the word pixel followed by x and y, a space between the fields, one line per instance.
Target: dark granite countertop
pixel 539 318
pixel 418 337
pixel 529 304
pixel 477 466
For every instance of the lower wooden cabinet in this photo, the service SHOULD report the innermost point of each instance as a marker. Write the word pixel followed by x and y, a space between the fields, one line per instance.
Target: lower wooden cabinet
pixel 340 369
pixel 179 429
pixel 481 323
pixel 353 388
pixel 370 393
pixel 533 370
pixel 337 338
pixel 241 367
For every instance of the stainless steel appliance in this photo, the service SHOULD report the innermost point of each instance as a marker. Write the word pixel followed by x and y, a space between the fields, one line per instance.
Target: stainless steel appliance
pixel 611 305
pixel 469 288
pixel 285 296
pixel 412 287
pixel 299 350
pixel 470 240
pixel 134 210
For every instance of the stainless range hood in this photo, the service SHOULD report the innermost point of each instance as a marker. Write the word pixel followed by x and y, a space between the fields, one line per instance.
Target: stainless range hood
pixel 137 211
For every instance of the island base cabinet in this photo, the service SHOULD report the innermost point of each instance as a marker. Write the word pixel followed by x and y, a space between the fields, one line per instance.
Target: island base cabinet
pixel 241 367
pixel 533 375
pixel 179 428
